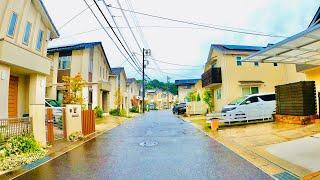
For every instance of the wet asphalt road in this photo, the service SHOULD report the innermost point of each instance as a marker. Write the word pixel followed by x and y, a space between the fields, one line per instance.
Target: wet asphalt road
pixel 155 146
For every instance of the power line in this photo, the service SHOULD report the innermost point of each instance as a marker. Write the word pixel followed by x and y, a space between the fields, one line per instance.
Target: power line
pixel 122 37
pixel 125 17
pixel 200 24
pixel 166 62
pixel 177 69
pixel 110 36
pixel 74 17
pixel 103 15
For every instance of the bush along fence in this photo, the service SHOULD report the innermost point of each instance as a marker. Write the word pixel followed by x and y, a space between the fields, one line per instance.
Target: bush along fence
pixel 15 126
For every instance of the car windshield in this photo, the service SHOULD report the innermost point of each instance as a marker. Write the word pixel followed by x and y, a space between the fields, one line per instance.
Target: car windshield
pixel 53 103
pixel 238 100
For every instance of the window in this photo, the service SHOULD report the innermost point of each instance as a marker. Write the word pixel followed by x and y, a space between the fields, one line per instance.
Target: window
pixel 39 41
pixel 100 71
pixel 249 90
pixel 254 90
pixel 270 97
pixel 238 59
pixel 60 96
pixel 188 87
pixel 12 24
pixel 256 64
pixel 91 60
pixel 218 93
pixel 275 64
pixel 26 35
pixel 64 62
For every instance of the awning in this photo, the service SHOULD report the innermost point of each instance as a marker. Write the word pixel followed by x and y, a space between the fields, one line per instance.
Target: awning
pixel 302 48
pixel 247 83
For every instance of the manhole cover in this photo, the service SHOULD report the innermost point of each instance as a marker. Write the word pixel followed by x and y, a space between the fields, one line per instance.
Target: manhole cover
pixel 148 143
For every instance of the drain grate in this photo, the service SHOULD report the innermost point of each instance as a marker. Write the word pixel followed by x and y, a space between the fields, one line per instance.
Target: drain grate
pixel 285 176
pixel 148 143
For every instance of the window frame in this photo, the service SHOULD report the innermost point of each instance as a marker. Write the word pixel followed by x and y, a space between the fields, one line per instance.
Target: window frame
pixel 62 58
pixel 25 33
pixel 256 64
pixel 239 60
pixel 14 26
pixel 39 40
pixel 218 93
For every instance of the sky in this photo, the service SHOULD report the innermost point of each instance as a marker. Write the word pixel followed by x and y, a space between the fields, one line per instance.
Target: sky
pixel 178 43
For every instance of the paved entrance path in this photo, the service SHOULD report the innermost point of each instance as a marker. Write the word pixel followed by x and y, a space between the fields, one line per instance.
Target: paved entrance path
pixel 155 146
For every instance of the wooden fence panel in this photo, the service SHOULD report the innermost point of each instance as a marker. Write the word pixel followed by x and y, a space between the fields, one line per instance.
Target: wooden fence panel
pixel 50 126
pixel 88 122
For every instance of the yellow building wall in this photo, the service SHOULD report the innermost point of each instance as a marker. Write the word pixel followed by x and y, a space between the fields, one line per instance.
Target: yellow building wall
pixel 231 75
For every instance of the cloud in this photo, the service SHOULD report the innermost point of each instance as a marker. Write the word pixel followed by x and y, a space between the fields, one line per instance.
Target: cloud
pixel 181 45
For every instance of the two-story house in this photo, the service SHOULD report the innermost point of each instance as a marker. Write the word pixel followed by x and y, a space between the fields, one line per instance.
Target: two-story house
pixel 133 88
pixel 25 29
pixel 229 77
pixel 118 80
pixel 184 87
pixel 90 61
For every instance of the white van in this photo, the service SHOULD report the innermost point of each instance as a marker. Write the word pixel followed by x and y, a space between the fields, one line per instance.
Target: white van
pixel 251 107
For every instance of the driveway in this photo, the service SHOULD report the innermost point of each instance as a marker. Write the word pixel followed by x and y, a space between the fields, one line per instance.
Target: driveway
pixel 157 145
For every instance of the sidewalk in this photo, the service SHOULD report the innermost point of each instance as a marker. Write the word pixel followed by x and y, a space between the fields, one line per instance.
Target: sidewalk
pixel 262 144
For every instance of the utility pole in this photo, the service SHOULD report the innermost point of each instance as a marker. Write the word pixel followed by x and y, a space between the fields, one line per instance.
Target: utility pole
pixel 145 52
pixel 143 93
pixel 168 92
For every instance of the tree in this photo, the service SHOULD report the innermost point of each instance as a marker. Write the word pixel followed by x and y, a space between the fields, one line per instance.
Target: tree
pixel 208 99
pixel 192 96
pixel 118 99
pixel 73 89
pixel 198 97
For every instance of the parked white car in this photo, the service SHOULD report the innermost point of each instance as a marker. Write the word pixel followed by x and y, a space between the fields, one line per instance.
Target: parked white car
pixel 252 107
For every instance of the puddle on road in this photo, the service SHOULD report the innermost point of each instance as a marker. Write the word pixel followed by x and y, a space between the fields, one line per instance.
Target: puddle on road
pixel 148 143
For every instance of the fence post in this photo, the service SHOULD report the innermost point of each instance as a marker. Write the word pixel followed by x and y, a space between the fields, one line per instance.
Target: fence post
pixel 50 126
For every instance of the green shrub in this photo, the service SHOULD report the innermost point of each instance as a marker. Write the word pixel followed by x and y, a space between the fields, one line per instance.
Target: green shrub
pixel 98 111
pixel 19 150
pixel 123 113
pixel 21 144
pixel 75 136
pixel 114 112
pixel 1 138
pixel 134 109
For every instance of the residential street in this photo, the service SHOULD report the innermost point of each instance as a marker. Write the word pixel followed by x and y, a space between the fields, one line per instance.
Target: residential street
pixel 155 146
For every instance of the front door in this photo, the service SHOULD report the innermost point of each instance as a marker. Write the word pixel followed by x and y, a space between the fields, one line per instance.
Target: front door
pixel 13 97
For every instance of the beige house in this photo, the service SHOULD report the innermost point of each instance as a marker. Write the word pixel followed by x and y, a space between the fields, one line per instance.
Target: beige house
pixel 118 80
pixel 300 50
pixel 134 92
pixel 184 87
pixel 229 77
pixel 90 61
pixel 161 99
pixel 25 29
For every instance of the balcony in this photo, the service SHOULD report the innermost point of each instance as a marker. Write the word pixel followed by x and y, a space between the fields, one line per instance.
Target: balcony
pixel 105 85
pixel 23 60
pixel 211 77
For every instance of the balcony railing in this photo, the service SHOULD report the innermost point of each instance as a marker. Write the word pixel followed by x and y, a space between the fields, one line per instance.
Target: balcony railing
pixel 211 77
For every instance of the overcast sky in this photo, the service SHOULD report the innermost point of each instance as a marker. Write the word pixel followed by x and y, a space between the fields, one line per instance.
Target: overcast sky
pixel 180 43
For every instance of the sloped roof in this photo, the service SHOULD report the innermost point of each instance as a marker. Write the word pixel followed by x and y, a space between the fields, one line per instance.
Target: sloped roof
pixel 117 70
pixel 182 82
pixel 44 12
pixel 233 49
pixel 70 47
pixel 78 46
pixel 315 19
pixel 131 80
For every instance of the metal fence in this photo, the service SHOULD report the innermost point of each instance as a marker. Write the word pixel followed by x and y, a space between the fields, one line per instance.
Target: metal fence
pixel 15 126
